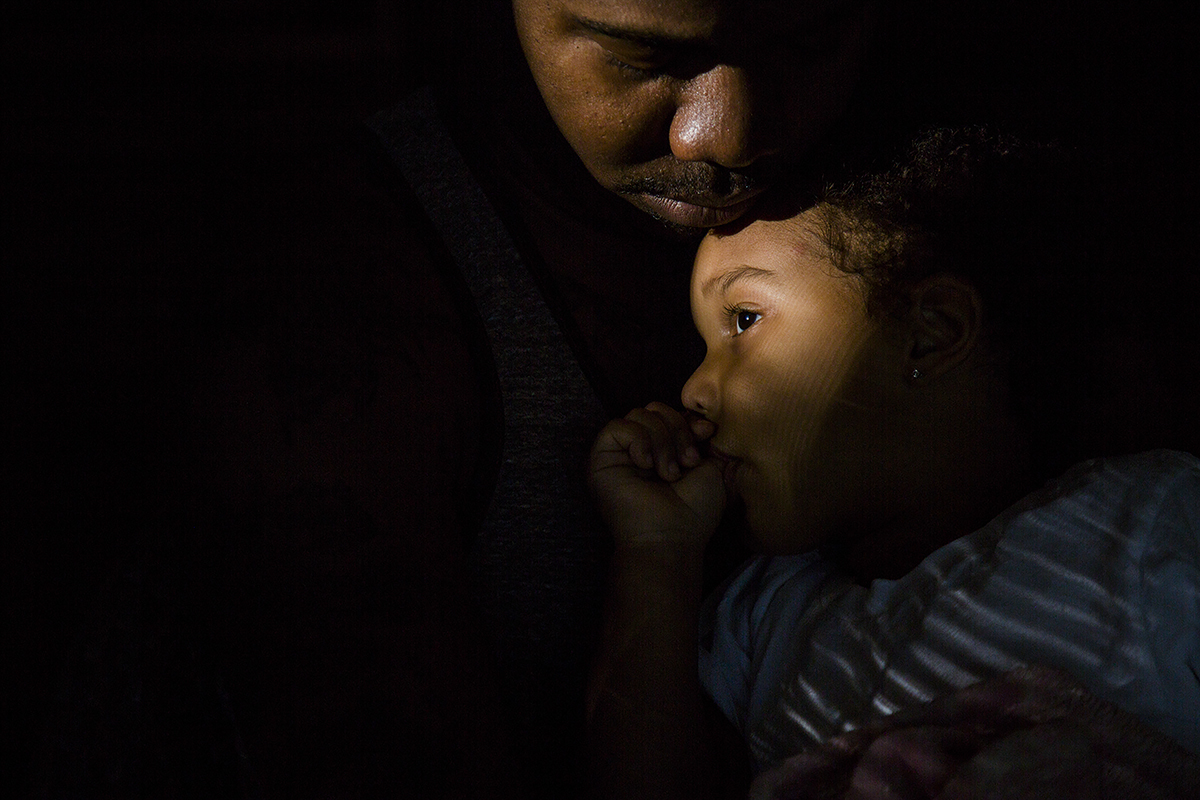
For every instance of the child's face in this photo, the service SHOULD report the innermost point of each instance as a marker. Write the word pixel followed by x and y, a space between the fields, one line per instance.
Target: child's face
pixel 797 379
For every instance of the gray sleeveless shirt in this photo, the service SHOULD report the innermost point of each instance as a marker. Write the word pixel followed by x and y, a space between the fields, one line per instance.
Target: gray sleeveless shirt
pixel 535 566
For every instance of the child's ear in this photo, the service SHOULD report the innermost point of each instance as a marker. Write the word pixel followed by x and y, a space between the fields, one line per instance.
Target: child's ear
pixel 945 319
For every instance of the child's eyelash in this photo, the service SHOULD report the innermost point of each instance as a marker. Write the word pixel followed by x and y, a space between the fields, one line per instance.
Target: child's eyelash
pixel 733 314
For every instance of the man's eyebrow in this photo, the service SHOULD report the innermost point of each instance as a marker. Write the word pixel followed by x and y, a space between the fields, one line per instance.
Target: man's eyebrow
pixel 723 281
pixel 651 39
pixel 643 37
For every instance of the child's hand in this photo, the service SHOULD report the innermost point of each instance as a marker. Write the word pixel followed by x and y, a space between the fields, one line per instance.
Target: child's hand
pixel 650 482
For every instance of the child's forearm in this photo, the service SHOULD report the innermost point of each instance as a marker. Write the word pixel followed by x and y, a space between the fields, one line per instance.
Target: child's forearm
pixel 648 731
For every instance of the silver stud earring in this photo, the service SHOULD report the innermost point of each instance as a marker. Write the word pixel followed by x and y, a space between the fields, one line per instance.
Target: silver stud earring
pixel 916 374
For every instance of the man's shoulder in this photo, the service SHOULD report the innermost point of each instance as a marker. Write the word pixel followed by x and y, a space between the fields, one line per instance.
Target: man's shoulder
pixel 333 319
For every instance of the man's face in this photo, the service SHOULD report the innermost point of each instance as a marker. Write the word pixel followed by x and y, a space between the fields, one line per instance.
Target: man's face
pixel 689 108
pixel 802 383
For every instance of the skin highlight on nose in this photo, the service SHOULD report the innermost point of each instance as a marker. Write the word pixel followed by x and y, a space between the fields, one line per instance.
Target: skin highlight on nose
pixel 687 108
pixel 715 119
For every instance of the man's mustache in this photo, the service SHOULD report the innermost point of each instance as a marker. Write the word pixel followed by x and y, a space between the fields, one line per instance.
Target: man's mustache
pixel 688 179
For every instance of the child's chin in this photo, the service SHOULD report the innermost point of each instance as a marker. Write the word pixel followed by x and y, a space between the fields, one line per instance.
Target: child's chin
pixel 775 539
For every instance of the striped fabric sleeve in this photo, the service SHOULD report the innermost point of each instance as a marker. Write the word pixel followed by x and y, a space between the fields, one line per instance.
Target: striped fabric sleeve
pixel 1170 586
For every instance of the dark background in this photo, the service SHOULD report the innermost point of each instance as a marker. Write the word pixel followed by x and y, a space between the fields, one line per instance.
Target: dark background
pixel 131 128
pixel 131 131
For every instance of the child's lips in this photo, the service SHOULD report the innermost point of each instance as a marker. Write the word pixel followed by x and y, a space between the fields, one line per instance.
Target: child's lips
pixel 728 464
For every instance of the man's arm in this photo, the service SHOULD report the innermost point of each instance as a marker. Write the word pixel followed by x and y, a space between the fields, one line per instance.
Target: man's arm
pixel 1030 733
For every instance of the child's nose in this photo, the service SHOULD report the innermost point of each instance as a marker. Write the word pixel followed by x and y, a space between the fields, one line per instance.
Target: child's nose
pixel 700 391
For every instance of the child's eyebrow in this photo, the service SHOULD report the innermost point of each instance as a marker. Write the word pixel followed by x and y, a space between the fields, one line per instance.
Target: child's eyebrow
pixel 725 280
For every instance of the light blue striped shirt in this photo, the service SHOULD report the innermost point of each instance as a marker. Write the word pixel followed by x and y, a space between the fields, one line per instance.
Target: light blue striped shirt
pixel 1098 573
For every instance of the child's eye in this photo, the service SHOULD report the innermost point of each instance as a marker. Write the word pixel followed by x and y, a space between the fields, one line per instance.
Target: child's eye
pixel 743 319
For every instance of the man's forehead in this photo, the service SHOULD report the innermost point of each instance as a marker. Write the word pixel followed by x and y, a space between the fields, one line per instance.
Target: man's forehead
pixel 700 19
pixel 666 12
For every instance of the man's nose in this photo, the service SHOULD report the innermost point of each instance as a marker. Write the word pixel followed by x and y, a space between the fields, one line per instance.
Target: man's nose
pixel 720 119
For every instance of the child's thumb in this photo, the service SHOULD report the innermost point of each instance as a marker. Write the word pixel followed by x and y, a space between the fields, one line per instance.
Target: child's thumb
pixel 702 489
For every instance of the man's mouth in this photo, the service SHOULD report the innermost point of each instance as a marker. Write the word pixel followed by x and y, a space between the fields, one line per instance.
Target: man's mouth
pixel 696 212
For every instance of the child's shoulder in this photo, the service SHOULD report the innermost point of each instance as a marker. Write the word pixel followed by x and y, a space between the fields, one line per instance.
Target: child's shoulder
pixel 1105 510
pixel 1119 489
pixel 1157 466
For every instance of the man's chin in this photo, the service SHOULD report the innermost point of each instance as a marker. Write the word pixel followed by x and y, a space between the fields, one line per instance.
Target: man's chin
pixel 675 230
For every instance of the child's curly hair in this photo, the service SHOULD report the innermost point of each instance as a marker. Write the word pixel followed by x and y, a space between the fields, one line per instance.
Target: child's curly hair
pixel 1018 220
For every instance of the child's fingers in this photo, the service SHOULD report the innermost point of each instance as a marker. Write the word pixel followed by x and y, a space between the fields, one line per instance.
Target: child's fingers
pixel 661 439
pixel 681 432
pixel 623 441
pixel 702 429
